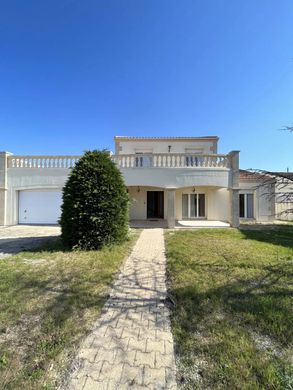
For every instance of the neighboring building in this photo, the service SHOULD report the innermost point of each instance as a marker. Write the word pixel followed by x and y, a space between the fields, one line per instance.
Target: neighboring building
pixel 256 196
pixel 284 196
pixel 167 178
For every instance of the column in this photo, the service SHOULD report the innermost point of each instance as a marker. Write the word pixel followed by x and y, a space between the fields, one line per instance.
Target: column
pixel 3 186
pixel 234 189
pixel 171 208
pixel 234 199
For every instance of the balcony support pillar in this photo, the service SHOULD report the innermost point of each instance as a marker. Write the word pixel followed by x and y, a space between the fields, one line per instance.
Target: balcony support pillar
pixel 234 199
pixel 171 208
pixel 234 190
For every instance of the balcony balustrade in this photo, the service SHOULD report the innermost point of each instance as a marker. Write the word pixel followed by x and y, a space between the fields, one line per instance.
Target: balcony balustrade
pixel 167 160
pixel 172 161
pixel 42 162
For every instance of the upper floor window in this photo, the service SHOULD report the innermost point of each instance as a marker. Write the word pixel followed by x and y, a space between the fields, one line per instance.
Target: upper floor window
pixel 246 205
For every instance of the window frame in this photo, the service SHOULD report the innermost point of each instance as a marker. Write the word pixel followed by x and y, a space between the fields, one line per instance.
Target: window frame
pixel 245 195
pixel 189 194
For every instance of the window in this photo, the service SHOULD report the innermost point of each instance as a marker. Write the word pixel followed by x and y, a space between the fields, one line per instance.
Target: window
pixel 246 205
pixel 193 205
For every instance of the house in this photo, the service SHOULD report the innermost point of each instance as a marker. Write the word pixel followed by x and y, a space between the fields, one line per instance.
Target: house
pixel 284 195
pixel 170 178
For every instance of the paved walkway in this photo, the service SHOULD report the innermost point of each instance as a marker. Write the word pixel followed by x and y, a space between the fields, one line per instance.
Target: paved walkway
pixel 131 345
pixel 14 239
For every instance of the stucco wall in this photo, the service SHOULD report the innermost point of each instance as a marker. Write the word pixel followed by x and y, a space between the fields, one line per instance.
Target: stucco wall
pixel 264 200
pixel 177 177
pixel 217 202
pixel 138 201
pixel 286 187
pixel 130 147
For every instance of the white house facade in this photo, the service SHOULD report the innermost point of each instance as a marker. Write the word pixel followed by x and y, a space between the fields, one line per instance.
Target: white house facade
pixel 173 179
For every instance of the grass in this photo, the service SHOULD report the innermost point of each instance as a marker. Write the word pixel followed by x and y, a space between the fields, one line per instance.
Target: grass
pixel 49 298
pixel 233 315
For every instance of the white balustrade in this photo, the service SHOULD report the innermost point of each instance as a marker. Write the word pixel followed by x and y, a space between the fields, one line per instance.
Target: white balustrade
pixel 169 160
pixel 42 162
pixel 161 160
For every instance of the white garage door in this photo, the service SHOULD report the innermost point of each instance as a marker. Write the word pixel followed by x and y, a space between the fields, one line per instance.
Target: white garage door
pixel 39 206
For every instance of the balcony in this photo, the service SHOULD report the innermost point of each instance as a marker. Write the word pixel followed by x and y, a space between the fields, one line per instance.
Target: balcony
pixel 163 170
pixel 169 160
pixel 170 170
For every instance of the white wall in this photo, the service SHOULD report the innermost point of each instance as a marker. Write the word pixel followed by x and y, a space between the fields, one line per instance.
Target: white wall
pixel 284 186
pixel 217 202
pixel 138 201
pixel 130 147
pixel 219 205
pixel 264 200
pixel 177 177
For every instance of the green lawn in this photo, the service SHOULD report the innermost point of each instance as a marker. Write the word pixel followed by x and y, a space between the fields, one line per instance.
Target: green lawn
pixel 233 315
pixel 49 298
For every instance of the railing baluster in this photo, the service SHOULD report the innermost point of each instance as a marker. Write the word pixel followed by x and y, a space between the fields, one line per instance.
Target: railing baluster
pixel 160 160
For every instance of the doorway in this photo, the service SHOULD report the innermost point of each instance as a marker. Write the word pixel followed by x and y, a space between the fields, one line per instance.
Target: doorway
pixel 193 206
pixel 155 204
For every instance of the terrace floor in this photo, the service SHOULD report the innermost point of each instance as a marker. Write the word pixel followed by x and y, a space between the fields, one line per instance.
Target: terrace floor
pixel 184 224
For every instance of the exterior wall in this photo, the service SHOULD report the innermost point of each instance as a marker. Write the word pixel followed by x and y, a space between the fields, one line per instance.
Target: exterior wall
pixel 217 202
pixel 264 200
pixel 138 201
pixel 177 177
pixel 286 202
pixel 21 179
pixel 162 146
pixel 282 211
pixel 216 177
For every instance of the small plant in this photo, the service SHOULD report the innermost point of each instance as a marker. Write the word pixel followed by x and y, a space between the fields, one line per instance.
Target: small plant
pixel 95 203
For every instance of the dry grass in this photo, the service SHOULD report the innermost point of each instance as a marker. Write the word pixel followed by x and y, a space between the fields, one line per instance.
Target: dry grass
pixel 233 320
pixel 49 299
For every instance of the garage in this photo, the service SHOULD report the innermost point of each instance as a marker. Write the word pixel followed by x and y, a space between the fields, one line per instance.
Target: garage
pixel 39 206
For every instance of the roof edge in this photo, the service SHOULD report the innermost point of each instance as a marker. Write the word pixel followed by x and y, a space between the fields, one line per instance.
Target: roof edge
pixel 133 138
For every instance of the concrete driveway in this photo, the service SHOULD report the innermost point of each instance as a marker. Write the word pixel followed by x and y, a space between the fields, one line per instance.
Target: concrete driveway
pixel 14 239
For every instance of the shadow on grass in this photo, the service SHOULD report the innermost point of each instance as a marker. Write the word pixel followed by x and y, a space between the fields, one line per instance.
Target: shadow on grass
pixel 61 322
pixel 273 234
pixel 264 302
pixel 12 246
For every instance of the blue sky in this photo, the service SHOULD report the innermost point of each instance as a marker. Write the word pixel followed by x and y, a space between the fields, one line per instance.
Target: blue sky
pixel 74 73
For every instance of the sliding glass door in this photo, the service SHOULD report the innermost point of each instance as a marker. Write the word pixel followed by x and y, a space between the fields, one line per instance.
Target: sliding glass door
pixel 193 205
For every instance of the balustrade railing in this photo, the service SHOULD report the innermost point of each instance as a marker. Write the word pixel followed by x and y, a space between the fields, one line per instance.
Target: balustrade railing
pixel 172 161
pixel 42 162
pixel 166 160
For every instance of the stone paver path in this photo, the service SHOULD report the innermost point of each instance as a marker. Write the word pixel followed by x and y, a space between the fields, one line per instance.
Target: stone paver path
pixel 131 345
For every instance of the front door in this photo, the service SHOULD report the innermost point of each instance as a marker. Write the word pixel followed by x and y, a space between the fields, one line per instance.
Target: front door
pixel 155 204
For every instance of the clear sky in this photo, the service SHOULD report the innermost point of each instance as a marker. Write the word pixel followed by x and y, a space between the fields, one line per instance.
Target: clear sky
pixel 74 73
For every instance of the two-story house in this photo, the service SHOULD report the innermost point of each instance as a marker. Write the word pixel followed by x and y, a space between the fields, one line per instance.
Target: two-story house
pixel 168 178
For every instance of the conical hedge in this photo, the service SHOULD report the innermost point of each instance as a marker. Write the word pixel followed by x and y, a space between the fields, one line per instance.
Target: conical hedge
pixel 95 203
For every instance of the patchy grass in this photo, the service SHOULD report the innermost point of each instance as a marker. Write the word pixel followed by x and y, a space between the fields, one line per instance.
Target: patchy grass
pixel 49 298
pixel 233 318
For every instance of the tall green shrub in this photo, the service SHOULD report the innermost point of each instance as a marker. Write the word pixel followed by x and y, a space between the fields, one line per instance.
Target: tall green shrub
pixel 95 203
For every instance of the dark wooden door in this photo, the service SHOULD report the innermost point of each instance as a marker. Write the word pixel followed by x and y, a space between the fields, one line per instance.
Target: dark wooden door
pixel 155 204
